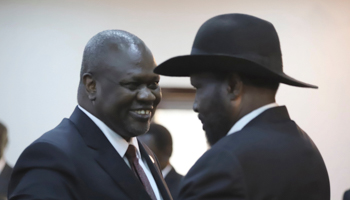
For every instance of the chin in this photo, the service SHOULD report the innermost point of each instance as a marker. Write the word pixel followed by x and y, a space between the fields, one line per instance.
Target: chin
pixel 138 129
pixel 214 136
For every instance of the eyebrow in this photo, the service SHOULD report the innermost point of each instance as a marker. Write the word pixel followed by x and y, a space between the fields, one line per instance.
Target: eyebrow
pixel 141 78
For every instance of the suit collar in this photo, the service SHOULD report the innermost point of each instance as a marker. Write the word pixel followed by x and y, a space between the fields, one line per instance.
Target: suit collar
pixel 91 134
pixel 153 164
pixel 249 117
pixel 166 170
pixel 173 175
pixel 112 162
pixel 6 172
pixel 119 143
pixel 107 157
pixel 2 163
pixel 273 115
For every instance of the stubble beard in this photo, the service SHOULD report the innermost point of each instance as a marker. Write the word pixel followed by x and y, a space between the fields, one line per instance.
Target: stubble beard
pixel 217 130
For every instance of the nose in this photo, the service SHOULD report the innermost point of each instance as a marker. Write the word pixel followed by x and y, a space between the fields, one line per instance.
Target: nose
pixel 145 94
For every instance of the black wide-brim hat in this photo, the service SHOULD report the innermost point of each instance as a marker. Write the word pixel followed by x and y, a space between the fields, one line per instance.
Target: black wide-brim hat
pixel 233 43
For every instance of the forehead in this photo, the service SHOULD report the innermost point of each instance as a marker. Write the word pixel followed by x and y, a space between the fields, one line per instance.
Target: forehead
pixel 132 73
pixel 129 61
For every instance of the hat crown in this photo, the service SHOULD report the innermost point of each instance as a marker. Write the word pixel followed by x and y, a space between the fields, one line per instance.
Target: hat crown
pixel 241 36
pixel 233 43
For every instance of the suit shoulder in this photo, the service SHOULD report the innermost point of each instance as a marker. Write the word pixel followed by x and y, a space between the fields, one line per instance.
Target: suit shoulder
pixel 64 136
pixel 219 156
pixel 217 168
pixel 173 175
pixel 43 167
pixel 53 148
pixel 42 154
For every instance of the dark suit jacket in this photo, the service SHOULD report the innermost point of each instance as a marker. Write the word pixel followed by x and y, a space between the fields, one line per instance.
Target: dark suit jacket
pixel 173 180
pixel 271 158
pixel 4 181
pixel 346 195
pixel 76 161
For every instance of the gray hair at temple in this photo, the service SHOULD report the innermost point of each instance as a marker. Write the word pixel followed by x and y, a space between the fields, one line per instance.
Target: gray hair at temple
pixel 99 45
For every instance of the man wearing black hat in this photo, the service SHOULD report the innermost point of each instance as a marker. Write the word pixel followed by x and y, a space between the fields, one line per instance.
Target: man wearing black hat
pixel 257 152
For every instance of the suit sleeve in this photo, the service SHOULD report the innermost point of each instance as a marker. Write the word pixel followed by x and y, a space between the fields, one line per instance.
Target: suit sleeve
pixel 43 171
pixel 215 176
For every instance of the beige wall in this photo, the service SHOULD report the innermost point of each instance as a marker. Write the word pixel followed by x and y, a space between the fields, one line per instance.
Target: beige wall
pixel 41 44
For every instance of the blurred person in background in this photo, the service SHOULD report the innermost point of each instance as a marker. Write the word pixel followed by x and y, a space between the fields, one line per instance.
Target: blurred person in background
pixel 257 152
pixel 5 168
pixel 159 140
pixel 346 195
pixel 94 154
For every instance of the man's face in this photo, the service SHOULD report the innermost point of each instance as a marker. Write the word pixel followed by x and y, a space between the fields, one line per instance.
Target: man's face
pixel 127 91
pixel 213 105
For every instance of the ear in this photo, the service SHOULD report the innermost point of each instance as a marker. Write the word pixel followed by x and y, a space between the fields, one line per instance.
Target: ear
pixel 235 86
pixel 90 86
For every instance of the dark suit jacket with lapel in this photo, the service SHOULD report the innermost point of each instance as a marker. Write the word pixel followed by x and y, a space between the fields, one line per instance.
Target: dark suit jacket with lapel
pixel 271 158
pixel 4 181
pixel 173 180
pixel 76 161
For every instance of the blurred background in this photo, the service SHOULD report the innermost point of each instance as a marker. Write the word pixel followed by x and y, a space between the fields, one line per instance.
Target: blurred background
pixel 41 46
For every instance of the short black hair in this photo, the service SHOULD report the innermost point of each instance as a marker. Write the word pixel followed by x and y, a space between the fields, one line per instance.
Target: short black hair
pixel 99 45
pixel 162 138
pixel 259 82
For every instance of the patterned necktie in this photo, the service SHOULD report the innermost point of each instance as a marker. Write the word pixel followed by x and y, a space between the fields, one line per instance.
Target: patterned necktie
pixel 137 169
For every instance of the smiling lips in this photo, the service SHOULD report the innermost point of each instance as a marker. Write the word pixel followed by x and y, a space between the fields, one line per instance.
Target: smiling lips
pixel 142 114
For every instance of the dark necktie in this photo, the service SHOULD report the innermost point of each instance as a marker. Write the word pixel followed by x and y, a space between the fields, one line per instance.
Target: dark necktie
pixel 137 169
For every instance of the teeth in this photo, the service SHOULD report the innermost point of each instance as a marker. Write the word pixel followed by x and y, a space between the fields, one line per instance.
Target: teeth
pixel 143 112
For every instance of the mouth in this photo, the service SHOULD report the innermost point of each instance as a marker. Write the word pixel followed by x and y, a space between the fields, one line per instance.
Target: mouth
pixel 141 114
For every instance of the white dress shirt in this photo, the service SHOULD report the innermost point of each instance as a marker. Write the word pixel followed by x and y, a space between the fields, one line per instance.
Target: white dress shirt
pixel 2 163
pixel 249 117
pixel 121 145
pixel 166 170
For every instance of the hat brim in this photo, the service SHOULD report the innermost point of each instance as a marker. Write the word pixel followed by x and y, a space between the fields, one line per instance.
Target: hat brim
pixel 191 64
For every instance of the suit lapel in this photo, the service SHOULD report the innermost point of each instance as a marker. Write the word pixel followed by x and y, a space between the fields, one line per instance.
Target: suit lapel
pixel 121 173
pixel 153 165
pixel 107 157
pixel 171 175
pixel 6 172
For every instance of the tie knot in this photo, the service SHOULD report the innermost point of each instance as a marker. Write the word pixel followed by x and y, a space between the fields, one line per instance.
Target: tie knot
pixel 131 152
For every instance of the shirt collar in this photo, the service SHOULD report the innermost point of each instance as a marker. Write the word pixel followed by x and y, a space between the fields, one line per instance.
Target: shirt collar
pixel 119 143
pixel 2 163
pixel 241 123
pixel 166 170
